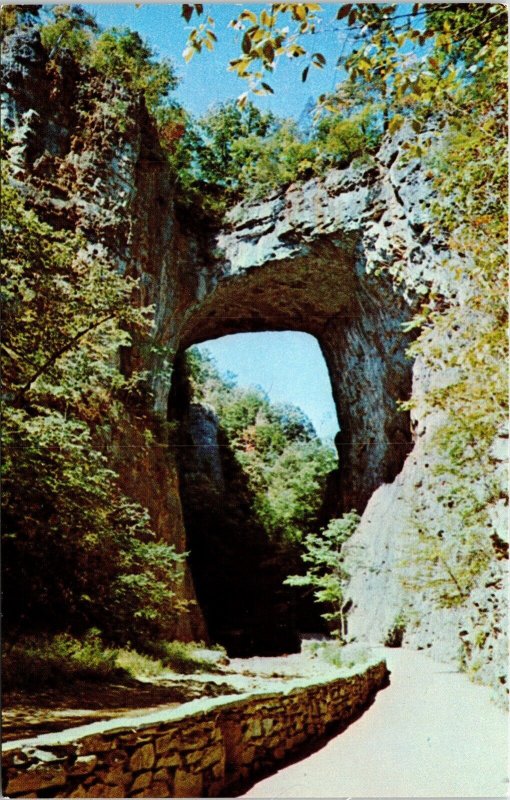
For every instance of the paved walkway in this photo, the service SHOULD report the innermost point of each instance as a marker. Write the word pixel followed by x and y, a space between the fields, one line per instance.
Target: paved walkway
pixel 431 733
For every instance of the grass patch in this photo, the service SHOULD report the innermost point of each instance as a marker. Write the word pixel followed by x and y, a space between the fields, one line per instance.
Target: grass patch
pixel 139 665
pixel 341 656
pixel 186 657
pixel 43 661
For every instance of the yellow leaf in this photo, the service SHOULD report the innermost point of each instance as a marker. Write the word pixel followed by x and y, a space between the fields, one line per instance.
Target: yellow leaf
pixel 246 14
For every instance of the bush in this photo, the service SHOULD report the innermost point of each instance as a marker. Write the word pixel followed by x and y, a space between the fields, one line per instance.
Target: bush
pixel 40 661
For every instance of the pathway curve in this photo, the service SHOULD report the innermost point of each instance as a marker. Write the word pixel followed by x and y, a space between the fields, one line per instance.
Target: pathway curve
pixel 431 733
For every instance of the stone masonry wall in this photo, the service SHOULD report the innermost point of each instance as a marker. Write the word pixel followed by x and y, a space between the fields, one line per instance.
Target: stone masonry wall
pixel 197 750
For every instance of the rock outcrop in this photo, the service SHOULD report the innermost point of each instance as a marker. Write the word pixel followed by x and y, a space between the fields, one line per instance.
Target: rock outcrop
pixel 321 257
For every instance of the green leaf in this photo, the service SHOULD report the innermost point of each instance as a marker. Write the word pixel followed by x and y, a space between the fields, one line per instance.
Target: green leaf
pixel 246 14
pixel 319 58
pixel 395 123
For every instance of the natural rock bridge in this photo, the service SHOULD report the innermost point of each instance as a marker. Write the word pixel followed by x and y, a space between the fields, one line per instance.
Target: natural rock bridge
pixel 319 257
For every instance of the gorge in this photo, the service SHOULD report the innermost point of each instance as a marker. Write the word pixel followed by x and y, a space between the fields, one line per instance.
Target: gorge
pixel 347 258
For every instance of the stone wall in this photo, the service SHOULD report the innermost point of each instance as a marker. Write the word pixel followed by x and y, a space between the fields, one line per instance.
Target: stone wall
pixel 200 749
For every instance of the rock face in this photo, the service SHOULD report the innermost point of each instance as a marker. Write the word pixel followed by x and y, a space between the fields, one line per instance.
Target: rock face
pixel 319 257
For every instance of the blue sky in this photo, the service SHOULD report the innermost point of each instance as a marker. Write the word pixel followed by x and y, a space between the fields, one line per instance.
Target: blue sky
pixel 288 365
pixel 205 80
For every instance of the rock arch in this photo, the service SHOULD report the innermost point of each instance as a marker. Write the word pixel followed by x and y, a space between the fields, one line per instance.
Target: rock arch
pixel 303 259
pixel 299 262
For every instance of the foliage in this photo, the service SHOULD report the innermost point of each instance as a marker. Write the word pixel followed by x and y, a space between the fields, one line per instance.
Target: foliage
pixel 276 447
pixel 326 572
pixel 341 656
pixel 342 137
pixel 65 316
pixel 17 16
pixel 122 54
pixel 184 657
pixel 34 662
pixel 222 129
pixel 234 153
pixel 463 338
pixel 77 552
pixel 137 664
pixel 119 53
pixel 70 29
pixel 267 36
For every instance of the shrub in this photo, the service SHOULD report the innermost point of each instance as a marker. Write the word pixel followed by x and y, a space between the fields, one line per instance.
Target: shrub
pixel 341 656
pixel 41 661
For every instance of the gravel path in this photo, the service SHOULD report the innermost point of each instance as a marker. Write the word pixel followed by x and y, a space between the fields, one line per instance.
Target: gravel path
pixel 431 733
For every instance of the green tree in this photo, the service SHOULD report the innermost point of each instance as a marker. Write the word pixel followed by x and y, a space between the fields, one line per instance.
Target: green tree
pixel 68 29
pixel 277 448
pixel 326 573
pixel 122 54
pixel 76 551
pixel 221 129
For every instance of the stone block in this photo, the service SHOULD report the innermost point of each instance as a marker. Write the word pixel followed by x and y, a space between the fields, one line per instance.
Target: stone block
pixel 247 755
pixel 114 757
pixel 83 765
pixel 205 758
pixel 170 760
pixel 165 743
pixel 36 778
pixel 95 744
pixel 187 784
pixel 143 758
pixel 128 739
pixel 161 775
pixel 113 791
pixel 160 789
pixel 254 729
pixel 218 769
pixel 267 725
pixel 142 781
pixel 114 776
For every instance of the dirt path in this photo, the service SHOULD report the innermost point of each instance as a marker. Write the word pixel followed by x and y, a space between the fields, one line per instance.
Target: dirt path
pixel 431 733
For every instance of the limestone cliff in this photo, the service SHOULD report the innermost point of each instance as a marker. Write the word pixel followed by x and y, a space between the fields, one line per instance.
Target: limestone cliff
pixel 306 259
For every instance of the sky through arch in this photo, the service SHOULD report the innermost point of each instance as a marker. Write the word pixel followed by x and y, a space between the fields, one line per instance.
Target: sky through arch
pixel 288 365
